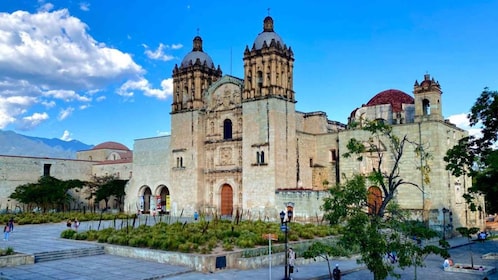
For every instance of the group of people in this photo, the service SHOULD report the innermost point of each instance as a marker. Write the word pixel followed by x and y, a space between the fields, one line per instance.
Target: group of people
pixel 7 229
pixel 73 223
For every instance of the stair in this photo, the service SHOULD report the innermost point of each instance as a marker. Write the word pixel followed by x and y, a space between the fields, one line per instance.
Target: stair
pixel 70 253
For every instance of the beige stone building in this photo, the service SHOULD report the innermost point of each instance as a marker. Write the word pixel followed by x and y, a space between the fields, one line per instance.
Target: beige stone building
pixel 239 145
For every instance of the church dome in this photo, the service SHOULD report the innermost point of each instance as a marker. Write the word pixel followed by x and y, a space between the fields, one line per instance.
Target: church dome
pixel 197 54
pixel 267 35
pixel 391 96
pixel 111 146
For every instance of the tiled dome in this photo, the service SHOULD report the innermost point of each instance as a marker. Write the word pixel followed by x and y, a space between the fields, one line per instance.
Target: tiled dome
pixel 267 35
pixel 391 96
pixel 111 146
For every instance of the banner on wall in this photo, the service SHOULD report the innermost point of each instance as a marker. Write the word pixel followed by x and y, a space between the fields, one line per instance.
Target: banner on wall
pixel 168 203
pixel 158 201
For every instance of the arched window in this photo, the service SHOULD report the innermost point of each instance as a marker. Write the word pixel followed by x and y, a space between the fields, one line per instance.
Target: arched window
pixel 426 107
pixel 227 129
pixel 260 81
pixel 262 157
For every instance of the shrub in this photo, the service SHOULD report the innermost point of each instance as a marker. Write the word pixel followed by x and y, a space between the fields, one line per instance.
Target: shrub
pixel 68 234
pixel 138 242
pixel 7 251
pixel 81 236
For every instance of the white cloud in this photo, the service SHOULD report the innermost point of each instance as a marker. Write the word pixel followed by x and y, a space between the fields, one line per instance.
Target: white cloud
pixel 176 46
pixel 32 121
pixel 49 56
pixel 101 98
pixel 163 133
pixel 84 6
pixel 66 136
pixel 64 113
pixel 47 7
pixel 462 121
pixel 127 89
pixel 158 54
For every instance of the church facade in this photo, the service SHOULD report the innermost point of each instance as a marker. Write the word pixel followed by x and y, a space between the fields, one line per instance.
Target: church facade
pixel 238 145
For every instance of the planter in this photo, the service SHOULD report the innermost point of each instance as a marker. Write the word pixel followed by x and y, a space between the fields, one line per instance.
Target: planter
pixel 16 259
pixel 467 268
pixel 490 256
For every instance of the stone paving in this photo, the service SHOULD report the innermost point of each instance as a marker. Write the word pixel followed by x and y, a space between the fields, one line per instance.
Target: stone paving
pixel 41 238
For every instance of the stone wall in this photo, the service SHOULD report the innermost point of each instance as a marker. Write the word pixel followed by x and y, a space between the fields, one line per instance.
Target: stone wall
pixel 16 171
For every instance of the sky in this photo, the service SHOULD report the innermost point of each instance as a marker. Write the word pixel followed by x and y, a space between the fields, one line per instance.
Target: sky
pixel 98 71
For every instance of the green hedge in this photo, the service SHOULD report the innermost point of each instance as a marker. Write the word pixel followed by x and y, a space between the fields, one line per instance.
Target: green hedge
pixel 202 236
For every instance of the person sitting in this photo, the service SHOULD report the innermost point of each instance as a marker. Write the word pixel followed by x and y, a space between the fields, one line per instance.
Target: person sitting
pixel 481 236
pixel 448 262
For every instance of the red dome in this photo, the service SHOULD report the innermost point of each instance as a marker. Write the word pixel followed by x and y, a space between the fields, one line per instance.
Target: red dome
pixel 111 146
pixel 391 96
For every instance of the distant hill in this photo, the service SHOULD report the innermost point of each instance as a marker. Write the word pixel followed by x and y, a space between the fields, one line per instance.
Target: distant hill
pixel 14 144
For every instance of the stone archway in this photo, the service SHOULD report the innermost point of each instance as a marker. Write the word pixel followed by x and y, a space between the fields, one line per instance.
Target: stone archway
pixel 226 206
pixel 146 197
pixel 164 200
pixel 374 200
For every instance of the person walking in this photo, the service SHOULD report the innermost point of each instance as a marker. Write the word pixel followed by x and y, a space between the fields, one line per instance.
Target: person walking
pixel 11 223
pixel 6 232
pixel 292 260
pixel 76 224
pixel 336 273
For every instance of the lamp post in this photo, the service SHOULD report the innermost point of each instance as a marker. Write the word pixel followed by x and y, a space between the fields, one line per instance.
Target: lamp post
pixel 285 228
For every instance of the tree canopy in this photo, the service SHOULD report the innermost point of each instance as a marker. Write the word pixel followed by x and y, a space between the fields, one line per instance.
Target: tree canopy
pixel 381 230
pixel 477 156
pixel 106 187
pixel 47 193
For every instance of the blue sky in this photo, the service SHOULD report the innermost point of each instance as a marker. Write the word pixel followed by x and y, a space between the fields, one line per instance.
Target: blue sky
pixel 100 71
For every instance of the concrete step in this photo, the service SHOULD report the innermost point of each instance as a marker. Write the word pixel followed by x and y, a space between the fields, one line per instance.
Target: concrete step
pixel 69 253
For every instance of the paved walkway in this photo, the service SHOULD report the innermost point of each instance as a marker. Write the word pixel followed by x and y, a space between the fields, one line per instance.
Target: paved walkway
pixel 42 238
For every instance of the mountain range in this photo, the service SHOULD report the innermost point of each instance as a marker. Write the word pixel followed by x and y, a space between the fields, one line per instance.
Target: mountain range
pixel 14 144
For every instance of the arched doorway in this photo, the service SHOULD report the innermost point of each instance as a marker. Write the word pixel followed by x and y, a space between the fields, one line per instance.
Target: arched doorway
pixel 226 200
pixel 374 200
pixel 146 200
pixel 164 200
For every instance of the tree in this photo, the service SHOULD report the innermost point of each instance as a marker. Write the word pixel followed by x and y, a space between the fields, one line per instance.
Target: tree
pixel 325 251
pixel 105 187
pixel 378 230
pixel 385 145
pixel 468 232
pixel 114 188
pixel 47 193
pixel 477 156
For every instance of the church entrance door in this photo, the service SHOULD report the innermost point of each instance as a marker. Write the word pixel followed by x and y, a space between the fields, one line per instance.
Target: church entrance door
pixel 226 200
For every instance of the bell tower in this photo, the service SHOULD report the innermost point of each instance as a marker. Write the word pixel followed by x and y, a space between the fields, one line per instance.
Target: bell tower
pixel 268 66
pixel 269 118
pixel 194 75
pixel 428 105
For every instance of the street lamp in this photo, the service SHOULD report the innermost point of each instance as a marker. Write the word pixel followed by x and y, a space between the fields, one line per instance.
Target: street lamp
pixel 285 228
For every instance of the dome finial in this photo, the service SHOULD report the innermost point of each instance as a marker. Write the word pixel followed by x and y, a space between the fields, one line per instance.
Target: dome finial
pixel 268 24
pixel 197 43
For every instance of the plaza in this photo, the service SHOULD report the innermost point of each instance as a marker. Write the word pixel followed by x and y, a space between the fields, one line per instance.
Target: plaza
pixel 34 239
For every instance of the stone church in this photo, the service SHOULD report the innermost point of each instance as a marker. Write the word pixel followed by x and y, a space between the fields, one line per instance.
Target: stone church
pixel 238 145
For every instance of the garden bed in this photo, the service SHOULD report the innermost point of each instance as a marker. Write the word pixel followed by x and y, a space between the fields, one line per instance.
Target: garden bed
pixel 16 259
pixel 490 256
pixel 467 268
